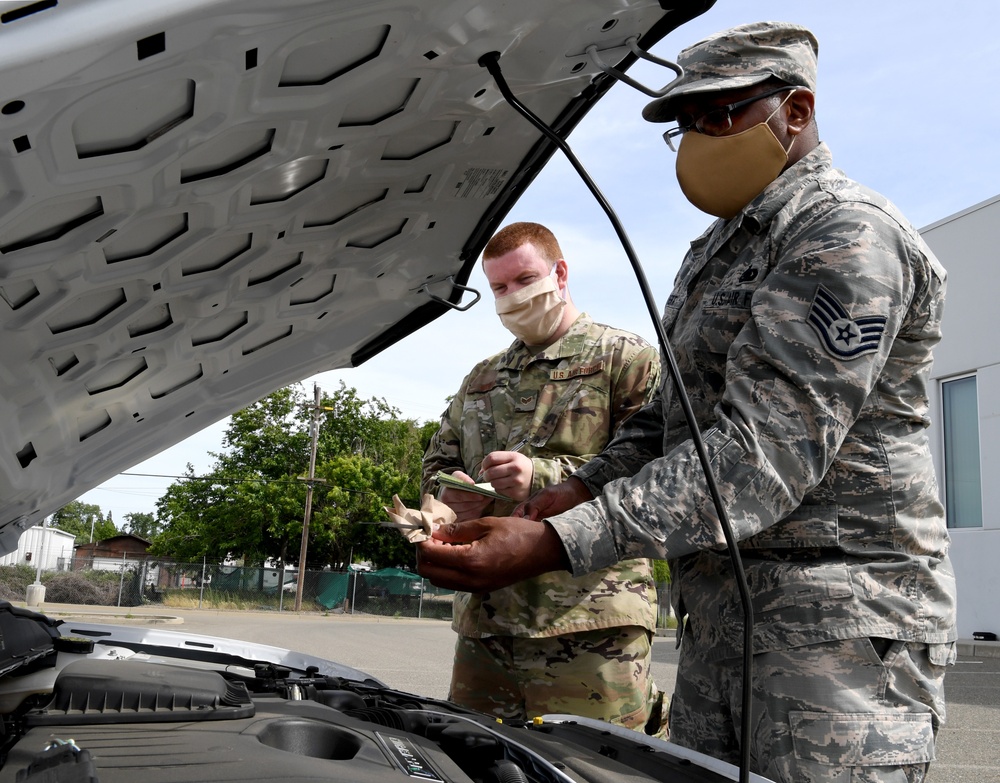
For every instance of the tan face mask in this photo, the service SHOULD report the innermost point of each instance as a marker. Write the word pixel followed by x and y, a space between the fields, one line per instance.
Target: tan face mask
pixel 532 314
pixel 722 174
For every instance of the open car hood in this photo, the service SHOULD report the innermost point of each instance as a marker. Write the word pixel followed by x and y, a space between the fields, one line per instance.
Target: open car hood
pixel 171 707
pixel 206 200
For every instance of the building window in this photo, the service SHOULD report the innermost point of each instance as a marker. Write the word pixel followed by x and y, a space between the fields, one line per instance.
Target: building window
pixel 962 475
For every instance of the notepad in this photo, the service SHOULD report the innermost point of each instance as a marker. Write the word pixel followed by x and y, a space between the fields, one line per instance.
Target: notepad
pixel 447 480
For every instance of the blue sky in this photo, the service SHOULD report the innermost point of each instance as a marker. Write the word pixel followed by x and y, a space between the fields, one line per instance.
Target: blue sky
pixel 906 99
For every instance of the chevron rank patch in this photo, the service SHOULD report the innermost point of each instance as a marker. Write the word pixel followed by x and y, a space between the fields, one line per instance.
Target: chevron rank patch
pixel 842 336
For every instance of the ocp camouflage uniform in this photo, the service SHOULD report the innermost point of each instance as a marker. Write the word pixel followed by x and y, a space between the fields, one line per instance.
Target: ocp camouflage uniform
pixel 803 330
pixel 577 644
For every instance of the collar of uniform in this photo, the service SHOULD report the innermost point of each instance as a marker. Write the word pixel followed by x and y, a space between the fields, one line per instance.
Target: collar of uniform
pixel 570 344
pixel 759 212
pixel 762 209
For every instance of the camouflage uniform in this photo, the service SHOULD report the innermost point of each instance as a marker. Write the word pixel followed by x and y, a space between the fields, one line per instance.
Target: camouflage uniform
pixel 803 330
pixel 567 400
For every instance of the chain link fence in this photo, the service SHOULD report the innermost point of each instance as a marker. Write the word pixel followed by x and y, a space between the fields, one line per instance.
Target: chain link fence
pixel 125 582
pixel 143 581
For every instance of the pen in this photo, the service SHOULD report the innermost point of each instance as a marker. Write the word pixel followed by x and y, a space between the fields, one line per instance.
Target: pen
pixel 516 447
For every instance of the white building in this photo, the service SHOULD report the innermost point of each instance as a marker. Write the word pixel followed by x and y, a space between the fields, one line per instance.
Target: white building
pixel 966 410
pixel 53 547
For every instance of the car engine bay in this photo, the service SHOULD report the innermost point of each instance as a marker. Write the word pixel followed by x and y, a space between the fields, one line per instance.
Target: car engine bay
pixel 83 702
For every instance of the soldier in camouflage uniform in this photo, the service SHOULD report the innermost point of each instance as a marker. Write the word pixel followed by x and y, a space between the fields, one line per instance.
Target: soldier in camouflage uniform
pixel 803 323
pixel 525 418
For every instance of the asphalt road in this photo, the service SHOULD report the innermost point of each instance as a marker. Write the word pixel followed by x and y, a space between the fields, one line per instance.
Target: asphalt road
pixel 415 655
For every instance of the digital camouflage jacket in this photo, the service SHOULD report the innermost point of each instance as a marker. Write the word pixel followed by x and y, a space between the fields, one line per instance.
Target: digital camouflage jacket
pixel 567 401
pixel 803 330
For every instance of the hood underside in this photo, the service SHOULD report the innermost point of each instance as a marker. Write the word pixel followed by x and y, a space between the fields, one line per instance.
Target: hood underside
pixel 206 200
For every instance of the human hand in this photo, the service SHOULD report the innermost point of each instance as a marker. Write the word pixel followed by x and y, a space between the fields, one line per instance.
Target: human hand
pixel 466 505
pixel 509 473
pixel 554 499
pixel 490 553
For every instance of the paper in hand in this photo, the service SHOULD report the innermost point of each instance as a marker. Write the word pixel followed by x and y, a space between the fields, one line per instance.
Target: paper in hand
pixel 417 525
pixel 448 480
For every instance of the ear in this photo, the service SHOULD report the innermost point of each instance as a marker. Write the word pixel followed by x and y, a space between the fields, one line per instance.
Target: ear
pixel 562 273
pixel 799 111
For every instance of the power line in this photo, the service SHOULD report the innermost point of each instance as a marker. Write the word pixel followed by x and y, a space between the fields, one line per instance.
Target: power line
pixel 216 479
pixel 247 480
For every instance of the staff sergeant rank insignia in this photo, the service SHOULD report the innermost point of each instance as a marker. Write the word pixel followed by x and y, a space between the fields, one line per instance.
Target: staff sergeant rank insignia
pixel 844 337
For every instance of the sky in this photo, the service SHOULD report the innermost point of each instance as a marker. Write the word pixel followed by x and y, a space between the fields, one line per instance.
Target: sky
pixel 906 99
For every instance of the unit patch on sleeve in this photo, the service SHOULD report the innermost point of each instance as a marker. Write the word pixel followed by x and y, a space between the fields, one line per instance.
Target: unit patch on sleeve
pixel 842 336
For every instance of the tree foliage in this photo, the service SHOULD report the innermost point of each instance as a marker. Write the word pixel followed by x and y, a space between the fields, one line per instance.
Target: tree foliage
pixel 141 524
pixel 251 506
pixel 82 518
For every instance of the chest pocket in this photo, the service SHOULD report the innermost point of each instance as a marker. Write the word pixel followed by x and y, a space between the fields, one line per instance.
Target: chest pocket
pixel 573 411
pixel 719 296
pixel 499 412
pixel 723 311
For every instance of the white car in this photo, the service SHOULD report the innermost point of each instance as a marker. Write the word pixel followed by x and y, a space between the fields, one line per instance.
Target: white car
pixel 204 201
pixel 89 702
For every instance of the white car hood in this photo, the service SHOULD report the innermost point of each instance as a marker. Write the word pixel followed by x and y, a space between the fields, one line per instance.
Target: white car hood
pixel 206 200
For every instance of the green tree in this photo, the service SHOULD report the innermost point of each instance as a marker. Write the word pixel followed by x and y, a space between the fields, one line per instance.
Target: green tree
pixel 251 505
pixel 142 524
pixel 661 572
pixel 82 518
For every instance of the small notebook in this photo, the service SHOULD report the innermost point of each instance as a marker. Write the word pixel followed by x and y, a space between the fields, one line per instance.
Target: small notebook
pixel 447 480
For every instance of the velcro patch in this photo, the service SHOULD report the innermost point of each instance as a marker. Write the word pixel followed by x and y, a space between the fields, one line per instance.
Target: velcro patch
pixel 842 336
pixel 573 372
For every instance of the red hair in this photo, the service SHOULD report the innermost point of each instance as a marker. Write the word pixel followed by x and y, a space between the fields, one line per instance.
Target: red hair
pixel 513 236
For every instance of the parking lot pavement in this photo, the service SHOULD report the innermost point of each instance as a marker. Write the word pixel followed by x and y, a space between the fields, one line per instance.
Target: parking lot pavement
pixel 968 746
pixel 415 655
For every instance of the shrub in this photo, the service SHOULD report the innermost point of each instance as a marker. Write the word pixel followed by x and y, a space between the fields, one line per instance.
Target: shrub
pixel 77 588
pixel 14 581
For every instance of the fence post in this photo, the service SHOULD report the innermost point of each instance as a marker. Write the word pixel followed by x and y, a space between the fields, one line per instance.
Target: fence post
pixel 201 591
pixel 354 591
pixel 420 605
pixel 281 588
pixel 121 581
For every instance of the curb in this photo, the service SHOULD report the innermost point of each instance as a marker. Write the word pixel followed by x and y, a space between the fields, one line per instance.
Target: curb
pixel 94 614
pixel 117 619
pixel 979 649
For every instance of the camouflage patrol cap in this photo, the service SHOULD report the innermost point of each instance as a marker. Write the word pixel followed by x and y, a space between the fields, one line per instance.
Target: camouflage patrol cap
pixel 739 57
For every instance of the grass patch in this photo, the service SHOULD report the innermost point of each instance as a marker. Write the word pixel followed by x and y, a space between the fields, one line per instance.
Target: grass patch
pixel 226 600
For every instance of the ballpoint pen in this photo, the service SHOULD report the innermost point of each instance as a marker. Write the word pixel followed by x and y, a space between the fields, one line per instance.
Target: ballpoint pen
pixel 516 447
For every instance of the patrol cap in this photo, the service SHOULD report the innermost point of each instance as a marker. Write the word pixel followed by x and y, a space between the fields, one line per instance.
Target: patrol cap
pixel 740 57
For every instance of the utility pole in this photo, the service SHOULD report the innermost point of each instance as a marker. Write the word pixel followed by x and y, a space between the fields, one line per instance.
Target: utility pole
pixel 310 480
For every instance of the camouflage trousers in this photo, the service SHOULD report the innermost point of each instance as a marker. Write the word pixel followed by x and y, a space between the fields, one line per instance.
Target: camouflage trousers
pixel 601 674
pixel 854 711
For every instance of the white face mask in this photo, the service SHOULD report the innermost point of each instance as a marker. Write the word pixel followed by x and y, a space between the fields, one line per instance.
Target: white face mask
pixel 533 313
pixel 722 174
